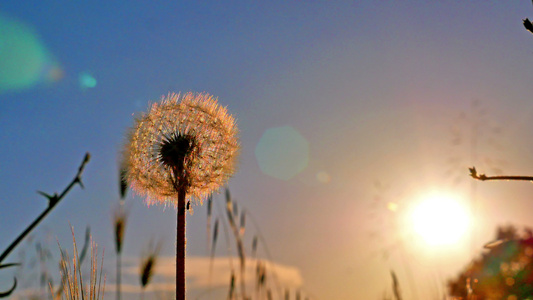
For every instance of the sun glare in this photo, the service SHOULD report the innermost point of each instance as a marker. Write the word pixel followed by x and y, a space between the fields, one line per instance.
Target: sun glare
pixel 439 219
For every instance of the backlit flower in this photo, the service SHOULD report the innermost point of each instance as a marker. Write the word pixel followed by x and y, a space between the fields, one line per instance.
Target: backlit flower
pixel 184 142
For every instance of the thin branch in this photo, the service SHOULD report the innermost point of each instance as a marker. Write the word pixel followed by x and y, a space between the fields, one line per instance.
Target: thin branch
pixel 52 202
pixel 484 177
pixel 527 24
pixel 7 293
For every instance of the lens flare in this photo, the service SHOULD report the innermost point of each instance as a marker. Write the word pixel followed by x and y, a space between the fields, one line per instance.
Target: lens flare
pixel 24 60
pixel 282 152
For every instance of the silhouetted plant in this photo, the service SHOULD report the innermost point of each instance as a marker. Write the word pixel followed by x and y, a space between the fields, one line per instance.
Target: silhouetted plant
pixel 474 174
pixel 72 281
pixel 396 286
pixel 503 271
pixel 230 210
pixel 81 259
pixel 148 266
pixel 36 255
pixel 528 25
pixel 120 218
pixel 53 200
pixel 12 289
pixel 184 147
pixel 226 217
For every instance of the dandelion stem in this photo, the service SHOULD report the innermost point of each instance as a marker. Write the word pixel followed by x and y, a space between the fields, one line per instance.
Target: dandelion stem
pixel 180 245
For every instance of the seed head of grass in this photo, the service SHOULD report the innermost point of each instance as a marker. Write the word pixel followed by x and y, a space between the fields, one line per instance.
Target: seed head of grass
pixel 148 265
pixel 120 218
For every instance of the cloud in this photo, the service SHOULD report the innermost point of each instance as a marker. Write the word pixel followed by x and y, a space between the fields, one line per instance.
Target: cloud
pixel 198 274
pixel 199 284
pixel 136 288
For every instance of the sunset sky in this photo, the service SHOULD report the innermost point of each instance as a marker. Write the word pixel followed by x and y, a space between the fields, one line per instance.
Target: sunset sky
pixel 351 113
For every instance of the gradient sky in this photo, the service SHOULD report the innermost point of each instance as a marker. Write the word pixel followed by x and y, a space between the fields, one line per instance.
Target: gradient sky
pixel 362 92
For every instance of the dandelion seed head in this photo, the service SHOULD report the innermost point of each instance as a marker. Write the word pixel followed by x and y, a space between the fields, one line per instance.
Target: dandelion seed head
pixel 189 135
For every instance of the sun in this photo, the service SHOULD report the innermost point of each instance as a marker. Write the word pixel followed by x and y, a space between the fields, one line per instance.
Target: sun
pixel 439 219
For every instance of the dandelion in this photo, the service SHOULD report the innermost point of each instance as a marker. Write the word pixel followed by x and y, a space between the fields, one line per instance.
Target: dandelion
pixel 184 148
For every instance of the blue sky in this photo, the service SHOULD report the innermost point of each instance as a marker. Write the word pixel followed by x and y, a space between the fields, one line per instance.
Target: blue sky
pixel 373 89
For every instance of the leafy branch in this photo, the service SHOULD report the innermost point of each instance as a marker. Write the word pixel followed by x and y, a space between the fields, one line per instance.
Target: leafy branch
pixel 53 200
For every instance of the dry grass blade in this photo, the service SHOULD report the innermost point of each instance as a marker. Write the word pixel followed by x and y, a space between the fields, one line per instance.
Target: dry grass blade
pixel 209 213
pixel 231 287
pixel 260 279
pixel 395 286
pixel 72 281
pixel 243 223
pixel 120 218
pixel 254 246
pixel 235 210
pixel 215 236
pixel 85 245
pixel 238 240
pixel 213 247
pixel 257 237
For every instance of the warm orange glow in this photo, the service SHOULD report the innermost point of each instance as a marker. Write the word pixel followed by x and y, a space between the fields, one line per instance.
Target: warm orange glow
pixel 440 219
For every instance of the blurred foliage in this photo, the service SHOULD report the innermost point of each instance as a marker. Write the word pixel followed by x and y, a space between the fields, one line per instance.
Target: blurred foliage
pixel 503 271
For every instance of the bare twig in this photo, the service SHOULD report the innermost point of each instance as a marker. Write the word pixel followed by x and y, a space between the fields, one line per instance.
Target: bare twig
pixel 8 292
pixel 484 177
pixel 52 202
